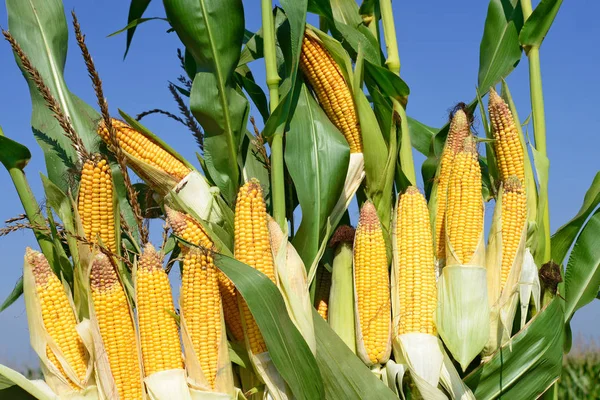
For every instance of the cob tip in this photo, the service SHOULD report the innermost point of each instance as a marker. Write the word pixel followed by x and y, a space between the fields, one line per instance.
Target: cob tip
pixel 150 259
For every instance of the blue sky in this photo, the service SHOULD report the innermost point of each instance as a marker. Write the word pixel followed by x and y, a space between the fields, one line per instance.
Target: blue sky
pixel 439 51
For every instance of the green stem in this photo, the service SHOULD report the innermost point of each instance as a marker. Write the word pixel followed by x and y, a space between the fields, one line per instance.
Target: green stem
pixel 539 128
pixel 32 211
pixel 277 176
pixel 393 64
pixel 389 34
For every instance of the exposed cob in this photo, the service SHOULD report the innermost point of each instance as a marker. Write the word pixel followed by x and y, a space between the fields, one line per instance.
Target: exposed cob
pixel 201 303
pixel 95 203
pixel 253 247
pixel 514 216
pixel 159 335
pixel 507 145
pixel 415 273
pixel 190 230
pixel 323 281
pixel 332 91
pixel 116 327
pixel 464 218
pixel 372 288
pixel 459 130
pixel 58 317
pixel 144 149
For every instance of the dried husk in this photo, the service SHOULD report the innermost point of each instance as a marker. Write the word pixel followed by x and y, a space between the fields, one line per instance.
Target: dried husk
pixel 200 197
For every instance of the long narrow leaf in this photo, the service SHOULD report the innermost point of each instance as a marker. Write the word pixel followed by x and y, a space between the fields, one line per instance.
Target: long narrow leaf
pixel 539 22
pixel 136 11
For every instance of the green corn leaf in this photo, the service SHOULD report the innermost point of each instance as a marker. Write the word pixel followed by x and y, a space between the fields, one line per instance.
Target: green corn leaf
pixel 420 135
pixel 14 295
pixel 288 350
pixel 13 154
pixel 539 22
pixel 213 31
pixel 582 278
pixel 136 11
pixel 317 157
pixel 528 365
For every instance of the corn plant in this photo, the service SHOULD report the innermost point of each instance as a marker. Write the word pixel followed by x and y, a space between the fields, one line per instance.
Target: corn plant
pixel 421 300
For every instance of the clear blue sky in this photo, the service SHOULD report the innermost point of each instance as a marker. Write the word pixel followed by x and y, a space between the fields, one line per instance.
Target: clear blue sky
pixel 439 50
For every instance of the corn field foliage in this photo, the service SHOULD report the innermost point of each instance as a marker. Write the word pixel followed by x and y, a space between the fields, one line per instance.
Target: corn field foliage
pixel 418 300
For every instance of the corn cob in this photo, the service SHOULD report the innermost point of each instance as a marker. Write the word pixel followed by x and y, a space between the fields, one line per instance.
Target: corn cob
pixel 201 302
pixel 95 203
pixel 332 91
pixel 58 317
pixel 459 130
pixel 116 327
pixel 322 291
pixel 464 218
pixel 190 230
pixel 514 216
pixel 253 247
pixel 415 274
pixel 145 149
pixel 508 148
pixel 159 334
pixel 372 286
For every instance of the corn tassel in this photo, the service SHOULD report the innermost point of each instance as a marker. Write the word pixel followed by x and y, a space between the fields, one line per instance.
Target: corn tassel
pixel 464 219
pixel 507 145
pixel 145 149
pixel 58 317
pixel 95 203
pixel 459 130
pixel 116 327
pixel 415 273
pixel 159 335
pixel 372 289
pixel 332 91
pixel 252 246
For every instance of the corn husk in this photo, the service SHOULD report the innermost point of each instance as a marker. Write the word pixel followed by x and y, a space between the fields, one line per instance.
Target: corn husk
pixel 36 387
pixel 293 283
pixel 392 375
pixel 502 301
pixel 341 296
pixel 196 378
pixel 168 385
pixel 104 378
pixel 529 285
pixel 276 387
pixel 199 196
pixel 41 340
pixel 452 382
pixel 354 177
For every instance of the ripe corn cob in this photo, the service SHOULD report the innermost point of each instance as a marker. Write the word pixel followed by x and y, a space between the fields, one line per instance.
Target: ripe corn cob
pixel 508 148
pixel 322 291
pixel 253 247
pixel 201 302
pixel 514 216
pixel 116 327
pixel 58 317
pixel 415 274
pixel 145 149
pixel 159 334
pixel 332 91
pixel 459 130
pixel 372 286
pixel 190 230
pixel 95 203
pixel 464 218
